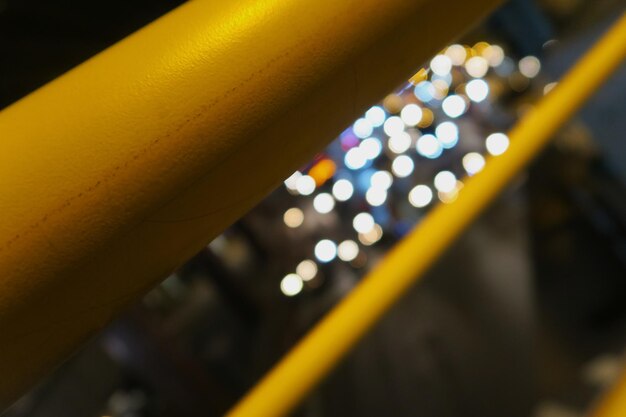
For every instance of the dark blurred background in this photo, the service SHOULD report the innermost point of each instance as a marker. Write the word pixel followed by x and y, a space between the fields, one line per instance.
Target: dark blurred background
pixel 524 316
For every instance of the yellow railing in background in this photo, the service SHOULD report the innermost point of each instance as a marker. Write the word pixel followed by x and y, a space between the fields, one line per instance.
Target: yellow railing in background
pixel 613 403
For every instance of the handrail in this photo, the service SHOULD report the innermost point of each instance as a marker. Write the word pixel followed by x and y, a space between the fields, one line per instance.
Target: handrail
pixel 330 340
pixel 613 402
pixel 117 172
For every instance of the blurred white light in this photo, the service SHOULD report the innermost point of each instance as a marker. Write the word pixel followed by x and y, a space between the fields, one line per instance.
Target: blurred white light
pixel 447 134
pixel 494 55
pixel 393 126
pixel 355 158
pixel 473 163
pixel 425 91
pixel 453 106
pixel 376 196
pixel 291 285
pixel 342 190
pixel 477 90
pixel 293 217
pixel 529 66
pixel 381 179
pixel 477 66
pixel 371 237
pixel 290 182
pixel 402 166
pixel 411 114
pixel 441 64
pixel 371 148
pixel 548 87
pixel 305 185
pixel 307 270
pixel 323 203
pixel 363 222
pixel 362 128
pixel 420 196
pixel 457 54
pixel 497 143
pixel 399 143
pixel 325 250
pixel 348 250
pixel 376 116
pixel 448 197
pixel 428 146
pixel 441 88
pixel 445 181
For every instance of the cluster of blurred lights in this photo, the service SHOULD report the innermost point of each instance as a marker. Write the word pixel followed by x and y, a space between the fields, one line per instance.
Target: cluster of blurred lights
pixel 390 130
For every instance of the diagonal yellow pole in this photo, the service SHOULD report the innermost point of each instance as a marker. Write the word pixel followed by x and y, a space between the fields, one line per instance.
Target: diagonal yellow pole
pixel 613 403
pixel 302 368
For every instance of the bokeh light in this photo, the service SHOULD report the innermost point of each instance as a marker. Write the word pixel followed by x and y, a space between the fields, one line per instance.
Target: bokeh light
pixel 411 114
pixel 325 250
pixel 363 222
pixel 402 166
pixel 376 116
pixel 477 90
pixel 343 190
pixel 362 128
pixel 429 147
pixel 305 185
pixel 307 270
pixel 348 250
pixel 291 285
pixel 473 163
pixel 420 196
pixel 453 106
pixel 497 143
pixel 445 181
pixel 323 203
pixel 294 217
pixel 447 134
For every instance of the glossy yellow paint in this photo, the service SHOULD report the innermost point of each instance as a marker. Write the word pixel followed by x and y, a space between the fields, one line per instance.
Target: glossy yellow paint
pixel 312 358
pixel 613 403
pixel 120 170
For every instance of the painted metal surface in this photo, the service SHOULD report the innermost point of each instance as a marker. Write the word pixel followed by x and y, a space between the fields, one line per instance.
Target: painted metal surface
pixel 120 170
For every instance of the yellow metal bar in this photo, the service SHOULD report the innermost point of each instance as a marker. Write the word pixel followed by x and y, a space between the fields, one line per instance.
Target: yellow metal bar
pixel 302 368
pixel 117 172
pixel 613 403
